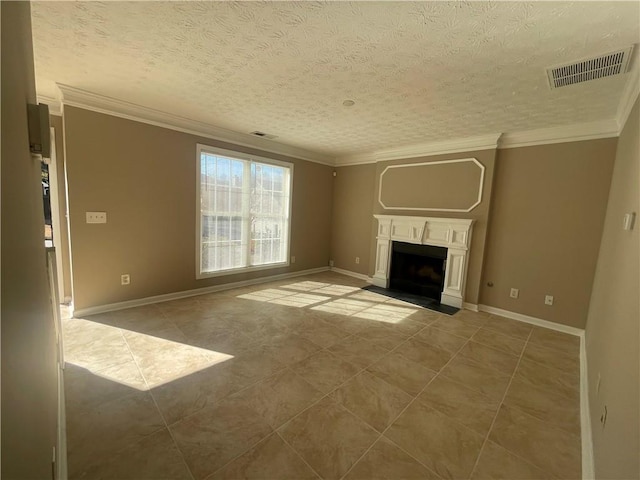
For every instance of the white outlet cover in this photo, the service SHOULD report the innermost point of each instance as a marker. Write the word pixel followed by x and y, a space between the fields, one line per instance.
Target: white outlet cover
pixel 515 293
pixel 548 300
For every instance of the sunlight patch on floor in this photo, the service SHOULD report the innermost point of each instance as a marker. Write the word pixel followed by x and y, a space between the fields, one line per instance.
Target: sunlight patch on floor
pixel 138 360
pixel 335 290
pixel 352 302
pixel 300 300
pixel 266 294
pixel 306 286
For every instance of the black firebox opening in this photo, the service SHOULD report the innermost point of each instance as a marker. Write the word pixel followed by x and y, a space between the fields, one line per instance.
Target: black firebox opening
pixel 418 269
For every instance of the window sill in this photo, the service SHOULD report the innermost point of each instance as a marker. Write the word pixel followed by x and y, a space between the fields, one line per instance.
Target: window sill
pixel 235 271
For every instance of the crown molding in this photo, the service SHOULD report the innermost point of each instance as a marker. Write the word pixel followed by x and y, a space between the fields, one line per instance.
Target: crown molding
pixel 630 92
pixel 459 145
pixel 55 108
pixel 568 133
pixel 76 97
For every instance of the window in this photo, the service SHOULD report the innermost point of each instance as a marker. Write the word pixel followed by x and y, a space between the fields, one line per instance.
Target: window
pixel 243 212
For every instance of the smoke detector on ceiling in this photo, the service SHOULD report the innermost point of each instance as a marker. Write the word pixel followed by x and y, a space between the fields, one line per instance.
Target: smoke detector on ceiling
pixel 607 65
pixel 263 135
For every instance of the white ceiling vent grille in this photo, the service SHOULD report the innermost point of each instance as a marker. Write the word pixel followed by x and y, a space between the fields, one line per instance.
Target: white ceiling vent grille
pixel 263 135
pixel 606 65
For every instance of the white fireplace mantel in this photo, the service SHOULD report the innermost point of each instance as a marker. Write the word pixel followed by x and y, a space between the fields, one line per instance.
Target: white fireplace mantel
pixel 452 233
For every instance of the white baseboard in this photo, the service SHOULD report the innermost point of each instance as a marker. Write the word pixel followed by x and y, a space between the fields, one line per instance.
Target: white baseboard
pixel 361 276
pixel 532 320
pixel 191 293
pixel 588 470
pixel 470 306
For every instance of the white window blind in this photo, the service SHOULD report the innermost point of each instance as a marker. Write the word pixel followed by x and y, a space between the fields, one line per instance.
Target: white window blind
pixel 244 212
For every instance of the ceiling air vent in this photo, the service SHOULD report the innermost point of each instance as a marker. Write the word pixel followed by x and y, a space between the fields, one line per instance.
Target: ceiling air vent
pixel 613 63
pixel 263 135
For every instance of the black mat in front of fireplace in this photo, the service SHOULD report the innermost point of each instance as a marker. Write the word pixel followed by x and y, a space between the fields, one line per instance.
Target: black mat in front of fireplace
pixel 425 302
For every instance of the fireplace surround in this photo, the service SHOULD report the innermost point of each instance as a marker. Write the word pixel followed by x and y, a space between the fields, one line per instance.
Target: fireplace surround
pixel 452 234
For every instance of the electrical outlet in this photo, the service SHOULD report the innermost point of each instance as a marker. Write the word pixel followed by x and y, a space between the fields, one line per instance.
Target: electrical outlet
pixel 548 299
pixel 293 259
pixel 515 293
pixel 331 263
pixel 357 260
pixel 603 417
pixel 125 279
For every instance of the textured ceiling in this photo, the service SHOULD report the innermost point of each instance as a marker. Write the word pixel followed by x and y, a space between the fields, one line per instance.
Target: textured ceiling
pixel 417 71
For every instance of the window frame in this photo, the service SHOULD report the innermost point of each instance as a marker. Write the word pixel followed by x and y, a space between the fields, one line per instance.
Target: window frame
pixel 202 148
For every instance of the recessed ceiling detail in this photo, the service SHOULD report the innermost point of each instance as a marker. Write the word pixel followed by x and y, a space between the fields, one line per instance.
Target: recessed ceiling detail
pixel 607 65
pixel 421 72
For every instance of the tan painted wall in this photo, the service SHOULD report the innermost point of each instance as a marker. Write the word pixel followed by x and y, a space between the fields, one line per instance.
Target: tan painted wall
pixel 546 222
pixel 353 217
pixel 29 376
pixel 613 326
pixel 480 214
pixel 56 123
pixel 144 177
pixel 451 186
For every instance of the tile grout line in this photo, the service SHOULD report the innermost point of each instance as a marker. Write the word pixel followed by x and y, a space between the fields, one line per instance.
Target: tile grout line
pixel 275 372
pixel 123 447
pixel 492 370
pixel 277 430
pixel 94 372
pixel 288 367
pixel 431 381
pixel 297 454
pixel 164 420
pixel 528 462
pixel 164 314
pixel 359 372
pixel 407 406
pixel 486 438
pixel 132 393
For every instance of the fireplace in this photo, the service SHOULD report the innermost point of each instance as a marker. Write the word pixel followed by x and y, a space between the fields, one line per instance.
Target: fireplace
pixel 418 269
pixel 401 243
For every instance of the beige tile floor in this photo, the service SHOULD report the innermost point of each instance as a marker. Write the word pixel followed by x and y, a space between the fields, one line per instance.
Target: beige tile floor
pixel 313 377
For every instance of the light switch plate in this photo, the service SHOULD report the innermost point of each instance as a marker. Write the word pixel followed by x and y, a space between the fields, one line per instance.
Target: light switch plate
pixel 628 221
pixel 96 217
